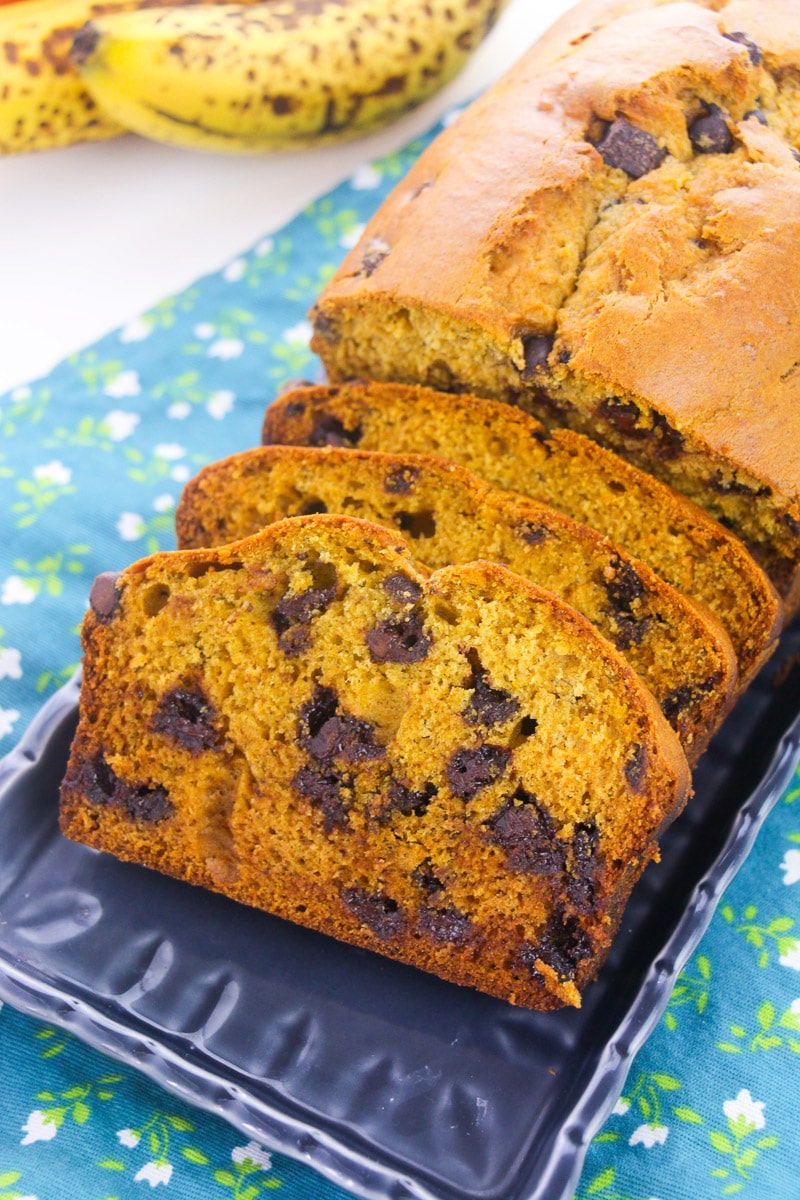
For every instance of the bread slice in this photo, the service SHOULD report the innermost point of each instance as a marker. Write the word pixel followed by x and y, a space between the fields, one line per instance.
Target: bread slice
pixel 448 515
pixel 452 769
pixel 512 450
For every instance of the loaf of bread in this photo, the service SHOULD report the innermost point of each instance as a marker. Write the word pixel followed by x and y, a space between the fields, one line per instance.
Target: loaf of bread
pixel 514 451
pixel 448 515
pixel 609 237
pixel 453 769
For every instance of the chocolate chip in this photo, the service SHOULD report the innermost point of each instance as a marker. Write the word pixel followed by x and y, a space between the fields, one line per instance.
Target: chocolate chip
pixel 752 48
pixel 622 584
pixel 680 698
pixel 374 909
pixel 468 771
pixel 312 506
pixel 527 833
pixel 727 487
pixel 532 533
pixel 446 925
pixel 330 431
pixel 758 114
pixel 189 719
pixel 425 879
pixel 630 149
pixel 328 790
pixel 374 254
pixel 401 588
pixel 328 734
pixel 536 348
pixel 582 867
pixel 792 524
pixel 98 782
pixel 325 327
pixel 636 766
pixel 624 415
pixel 710 134
pixel 292 615
pixel 410 803
pixel 667 442
pixel 104 596
pixel 487 705
pixel 400 480
pixel 562 945
pixel 403 640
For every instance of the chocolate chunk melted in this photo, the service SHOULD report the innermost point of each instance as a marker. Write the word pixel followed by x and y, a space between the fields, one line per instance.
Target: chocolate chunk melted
pixel 536 349
pixel 624 587
pixel 445 925
pixel 329 790
pixel 710 134
pixel 96 780
pixel 487 705
pixel 527 833
pixel 377 911
pixel 404 640
pixel 630 149
pixel 562 945
pixel 471 770
pixel 753 49
pixel 582 866
pixel 373 256
pixel 293 614
pixel 104 596
pixel 401 588
pixel 328 734
pixel 188 718
pixel 403 799
pixel 683 697
pixel 400 480
pixel 328 430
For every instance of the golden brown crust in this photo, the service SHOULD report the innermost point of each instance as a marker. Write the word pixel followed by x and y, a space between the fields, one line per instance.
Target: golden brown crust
pixel 480 809
pixel 511 450
pixel 668 287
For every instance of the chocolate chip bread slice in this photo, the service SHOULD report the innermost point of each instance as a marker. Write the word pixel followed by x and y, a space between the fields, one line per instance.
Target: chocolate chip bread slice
pixel 448 515
pixel 512 450
pixel 453 769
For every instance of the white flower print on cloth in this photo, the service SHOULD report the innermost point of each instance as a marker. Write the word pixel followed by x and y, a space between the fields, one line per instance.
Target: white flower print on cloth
pixel 169 451
pixel 164 503
pixel 299 334
pixel 351 239
pixel 745 1110
pixel 136 330
pixel 264 247
pixel 225 348
pixel 154 1173
pixel 620 1108
pixel 204 330
pixel 235 270
pixel 8 718
pixel 128 1137
pixel 17 591
pixel 791 867
pixel 220 404
pixel 252 1153
pixel 180 473
pixel 130 526
pixel 124 384
pixel 10 664
pixel 179 410
pixel 366 178
pixel 791 956
pixel 38 1128
pixel 53 472
pixel 648 1136
pixel 119 424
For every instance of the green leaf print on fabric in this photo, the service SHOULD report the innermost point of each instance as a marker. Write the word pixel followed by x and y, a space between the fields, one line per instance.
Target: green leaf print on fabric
pixel 774 1031
pixel 48 483
pixel 57 1040
pixel 745 1117
pixel 689 989
pixel 24 405
pixel 7 1178
pixel 770 938
pixel 43 1123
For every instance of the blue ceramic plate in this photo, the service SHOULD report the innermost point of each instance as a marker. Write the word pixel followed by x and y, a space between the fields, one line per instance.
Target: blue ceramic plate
pixel 390 1082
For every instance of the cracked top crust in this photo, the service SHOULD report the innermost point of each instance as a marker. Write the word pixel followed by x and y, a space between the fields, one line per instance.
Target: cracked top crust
pixel 491 233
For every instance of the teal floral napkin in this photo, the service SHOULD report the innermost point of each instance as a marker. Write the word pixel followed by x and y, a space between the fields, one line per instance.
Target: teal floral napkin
pixel 92 462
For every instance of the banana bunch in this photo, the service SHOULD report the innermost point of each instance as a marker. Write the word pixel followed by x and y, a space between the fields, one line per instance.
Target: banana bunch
pixel 42 99
pixel 275 74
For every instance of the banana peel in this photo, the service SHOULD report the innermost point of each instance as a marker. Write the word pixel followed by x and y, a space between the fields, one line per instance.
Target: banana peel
pixel 276 75
pixel 43 102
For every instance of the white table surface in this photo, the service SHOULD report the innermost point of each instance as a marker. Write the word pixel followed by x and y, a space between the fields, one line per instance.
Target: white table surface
pixel 91 235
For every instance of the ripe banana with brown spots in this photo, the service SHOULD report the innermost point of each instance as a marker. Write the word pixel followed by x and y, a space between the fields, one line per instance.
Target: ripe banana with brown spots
pixel 43 102
pixel 275 75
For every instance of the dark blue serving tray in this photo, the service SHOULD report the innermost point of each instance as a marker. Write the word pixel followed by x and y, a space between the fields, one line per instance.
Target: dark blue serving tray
pixel 392 1083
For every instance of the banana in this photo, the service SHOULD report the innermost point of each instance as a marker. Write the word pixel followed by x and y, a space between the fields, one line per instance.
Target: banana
pixel 43 102
pixel 275 75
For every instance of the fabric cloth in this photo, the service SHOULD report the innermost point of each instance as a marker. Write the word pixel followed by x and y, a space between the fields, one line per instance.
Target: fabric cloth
pixel 92 462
